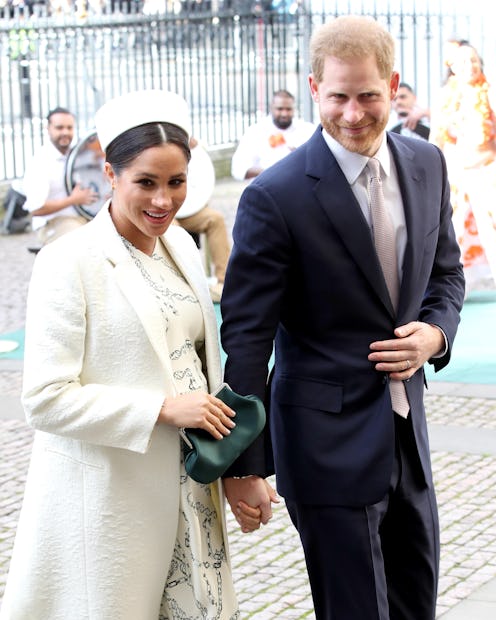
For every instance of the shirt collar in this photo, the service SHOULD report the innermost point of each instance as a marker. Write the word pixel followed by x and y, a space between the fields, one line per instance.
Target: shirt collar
pixel 352 164
pixel 55 153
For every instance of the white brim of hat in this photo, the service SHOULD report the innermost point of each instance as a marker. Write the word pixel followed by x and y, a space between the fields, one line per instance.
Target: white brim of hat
pixel 137 108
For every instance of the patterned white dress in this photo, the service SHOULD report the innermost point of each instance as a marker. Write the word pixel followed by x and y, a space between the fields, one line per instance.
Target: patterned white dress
pixel 199 585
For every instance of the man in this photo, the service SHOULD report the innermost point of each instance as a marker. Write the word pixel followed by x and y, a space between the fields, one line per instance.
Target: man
pixel 44 185
pixel 271 139
pixel 197 217
pixel 352 332
pixel 408 118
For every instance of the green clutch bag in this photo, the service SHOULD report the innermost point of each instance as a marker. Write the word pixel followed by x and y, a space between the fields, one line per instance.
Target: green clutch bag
pixel 207 458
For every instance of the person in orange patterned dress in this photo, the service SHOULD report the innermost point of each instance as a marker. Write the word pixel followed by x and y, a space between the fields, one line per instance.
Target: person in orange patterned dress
pixel 464 127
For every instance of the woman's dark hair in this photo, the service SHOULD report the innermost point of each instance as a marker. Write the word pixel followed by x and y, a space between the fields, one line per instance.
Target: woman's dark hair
pixel 128 145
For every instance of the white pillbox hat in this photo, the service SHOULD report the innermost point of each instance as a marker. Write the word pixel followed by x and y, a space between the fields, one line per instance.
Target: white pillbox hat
pixel 137 108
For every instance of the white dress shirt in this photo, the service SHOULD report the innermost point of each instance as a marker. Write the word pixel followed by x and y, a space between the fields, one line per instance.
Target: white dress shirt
pixel 264 144
pixel 44 180
pixel 353 167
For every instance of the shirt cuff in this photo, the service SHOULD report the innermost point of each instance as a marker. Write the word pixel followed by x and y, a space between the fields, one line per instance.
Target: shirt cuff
pixel 444 350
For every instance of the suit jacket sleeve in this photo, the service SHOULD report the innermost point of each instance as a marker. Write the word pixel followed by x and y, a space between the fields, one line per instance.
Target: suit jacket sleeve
pixel 443 298
pixel 251 302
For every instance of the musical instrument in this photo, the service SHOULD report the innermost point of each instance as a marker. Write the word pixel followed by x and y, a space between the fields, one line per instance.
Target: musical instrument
pixel 85 165
pixel 201 182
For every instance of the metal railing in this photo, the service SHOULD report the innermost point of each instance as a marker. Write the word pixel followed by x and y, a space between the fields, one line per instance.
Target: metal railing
pixel 226 61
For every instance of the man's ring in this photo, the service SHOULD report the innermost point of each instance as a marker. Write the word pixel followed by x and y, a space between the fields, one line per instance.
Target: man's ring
pixel 408 365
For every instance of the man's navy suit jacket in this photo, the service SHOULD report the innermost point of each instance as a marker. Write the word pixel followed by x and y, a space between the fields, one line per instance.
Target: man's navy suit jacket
pixel 304 274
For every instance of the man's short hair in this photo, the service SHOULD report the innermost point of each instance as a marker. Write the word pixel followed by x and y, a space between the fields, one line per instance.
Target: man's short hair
pixel 352 37
pixel 282 93
pixel 58 110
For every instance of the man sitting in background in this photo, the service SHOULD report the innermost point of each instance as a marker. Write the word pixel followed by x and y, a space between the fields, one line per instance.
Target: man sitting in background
pixel 197 217
pixel 271 139
pixel 44 185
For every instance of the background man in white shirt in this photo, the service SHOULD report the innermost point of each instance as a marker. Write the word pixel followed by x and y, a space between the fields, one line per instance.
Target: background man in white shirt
pixel 47 198
pixel 271 139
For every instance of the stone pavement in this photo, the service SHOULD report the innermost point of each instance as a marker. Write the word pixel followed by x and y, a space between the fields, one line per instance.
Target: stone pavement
pixel 268 565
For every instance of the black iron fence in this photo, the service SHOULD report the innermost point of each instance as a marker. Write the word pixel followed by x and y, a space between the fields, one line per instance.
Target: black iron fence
pixel 226 58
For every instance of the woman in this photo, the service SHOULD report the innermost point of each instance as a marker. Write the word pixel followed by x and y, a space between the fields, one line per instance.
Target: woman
pixel 121 351
pixel 464 127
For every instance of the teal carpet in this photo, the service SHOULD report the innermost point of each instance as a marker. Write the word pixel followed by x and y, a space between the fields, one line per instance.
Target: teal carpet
pixel 18 353
pixel 474 351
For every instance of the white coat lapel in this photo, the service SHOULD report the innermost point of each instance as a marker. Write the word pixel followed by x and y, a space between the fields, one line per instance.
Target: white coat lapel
pixel 186 256
pixel 138 294
pixel 134 288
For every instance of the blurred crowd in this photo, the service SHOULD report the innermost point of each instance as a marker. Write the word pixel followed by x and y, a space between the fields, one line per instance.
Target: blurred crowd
pixel 147 7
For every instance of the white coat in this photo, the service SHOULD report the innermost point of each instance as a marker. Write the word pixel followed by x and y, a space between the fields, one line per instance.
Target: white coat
pixel 99 518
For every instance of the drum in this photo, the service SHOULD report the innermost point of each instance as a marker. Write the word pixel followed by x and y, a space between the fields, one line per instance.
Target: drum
pixel 85 165
pixel 201 182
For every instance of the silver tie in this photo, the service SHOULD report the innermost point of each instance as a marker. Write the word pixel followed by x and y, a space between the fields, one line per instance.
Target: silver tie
pixel 384 241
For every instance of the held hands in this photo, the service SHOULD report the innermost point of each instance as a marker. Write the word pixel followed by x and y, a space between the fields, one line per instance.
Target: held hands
pixel 83 196
pixel 415 343
pixel 198 410
pixel 250 500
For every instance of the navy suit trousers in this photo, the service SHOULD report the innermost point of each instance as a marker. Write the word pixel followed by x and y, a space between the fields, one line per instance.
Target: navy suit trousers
pixel 378 562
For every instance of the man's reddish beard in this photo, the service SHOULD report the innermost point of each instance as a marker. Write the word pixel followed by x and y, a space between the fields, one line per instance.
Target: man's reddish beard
pixel 356 144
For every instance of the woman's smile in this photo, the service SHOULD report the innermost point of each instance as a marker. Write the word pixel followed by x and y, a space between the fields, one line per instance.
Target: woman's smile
pixel 157 177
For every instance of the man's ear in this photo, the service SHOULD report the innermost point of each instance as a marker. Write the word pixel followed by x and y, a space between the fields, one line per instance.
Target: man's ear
pixel 314 88
pixel 394 84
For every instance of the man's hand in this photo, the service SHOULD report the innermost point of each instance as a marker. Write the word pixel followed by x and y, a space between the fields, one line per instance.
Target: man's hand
pixel 414 116
pixel 415 343
pixel 250 500
pixel 83 196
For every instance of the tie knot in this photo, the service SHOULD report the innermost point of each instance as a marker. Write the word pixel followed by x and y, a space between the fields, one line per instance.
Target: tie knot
pixel 374 167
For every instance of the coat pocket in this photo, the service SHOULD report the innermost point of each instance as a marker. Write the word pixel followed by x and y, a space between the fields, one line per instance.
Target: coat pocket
pixel 310 394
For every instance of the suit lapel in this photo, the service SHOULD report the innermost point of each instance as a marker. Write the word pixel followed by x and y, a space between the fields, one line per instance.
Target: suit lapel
pixel 341 207
pixel 412 186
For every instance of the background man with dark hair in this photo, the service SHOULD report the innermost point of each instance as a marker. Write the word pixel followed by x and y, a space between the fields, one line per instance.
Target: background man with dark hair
pixel 271 139
pixel 44 185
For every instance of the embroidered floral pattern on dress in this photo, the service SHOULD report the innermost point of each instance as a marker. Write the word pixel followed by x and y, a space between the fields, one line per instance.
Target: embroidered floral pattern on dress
pixel 188 566
pixel 199 584
pixel 166 298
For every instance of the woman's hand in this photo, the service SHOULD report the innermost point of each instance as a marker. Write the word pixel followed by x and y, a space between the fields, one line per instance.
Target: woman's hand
pixel 248 518
pixel 198 410
pixel 251 500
